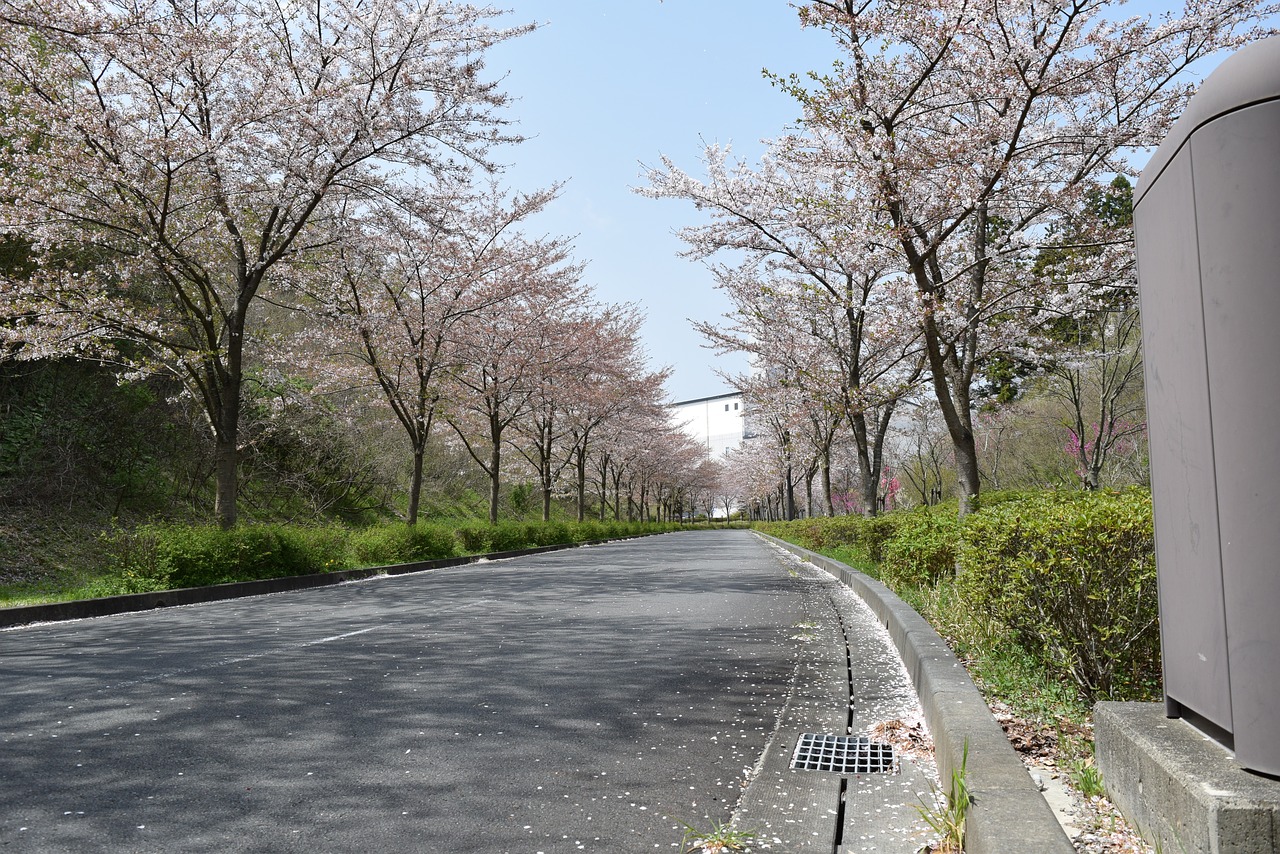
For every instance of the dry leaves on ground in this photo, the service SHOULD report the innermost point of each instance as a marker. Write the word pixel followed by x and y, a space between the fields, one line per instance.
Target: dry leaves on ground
pixel 908 739
pixel 1104 829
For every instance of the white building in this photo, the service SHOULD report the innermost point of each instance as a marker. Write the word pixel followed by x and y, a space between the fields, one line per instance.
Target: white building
pixel 717 422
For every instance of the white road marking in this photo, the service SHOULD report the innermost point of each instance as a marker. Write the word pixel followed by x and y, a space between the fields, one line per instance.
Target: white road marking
pixel 224 662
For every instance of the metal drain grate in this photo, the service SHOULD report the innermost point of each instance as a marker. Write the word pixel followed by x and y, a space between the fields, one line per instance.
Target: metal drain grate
pixel 842 754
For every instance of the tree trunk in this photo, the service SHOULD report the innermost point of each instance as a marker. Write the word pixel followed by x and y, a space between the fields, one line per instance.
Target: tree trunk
pixel 582 482
pixel 617 497
pixel 226 459
pixel 869 477
pixel 415 486
pixel 226 453
pixel 809 475
pixel 828 503
pixel 495 464
pixel 604 489
pixel 869 484
pixel 545 479
pixel 967 473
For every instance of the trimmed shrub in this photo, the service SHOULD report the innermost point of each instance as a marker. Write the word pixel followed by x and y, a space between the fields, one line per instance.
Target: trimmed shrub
pixel 385 545
pixel 875 531
pixel 551 534
pixel 1073 576
pixel 866 533
pixel 922 549
pixel 612 528
pixel 160 557
pixel 830 532
pixel 476 538
pixel 820 532
pixel 995 497
pixel 511 536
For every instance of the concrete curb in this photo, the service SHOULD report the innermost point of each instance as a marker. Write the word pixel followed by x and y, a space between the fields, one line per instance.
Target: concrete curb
pixel 80 609
pixel 1008 814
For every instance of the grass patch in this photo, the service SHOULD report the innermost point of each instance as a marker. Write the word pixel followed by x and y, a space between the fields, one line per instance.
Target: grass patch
pixel 856 557
pixel 946 815
pixel 999 666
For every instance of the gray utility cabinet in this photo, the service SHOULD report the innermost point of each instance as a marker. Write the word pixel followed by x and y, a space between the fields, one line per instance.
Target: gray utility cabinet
pixel 1207 225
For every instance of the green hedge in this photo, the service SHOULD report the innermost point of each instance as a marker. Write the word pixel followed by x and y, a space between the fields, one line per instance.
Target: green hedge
pixel 1070 576
pixel 179 556
pixel 384 545
pixel 1073 576
pixel 863 533
pixel 920 548
pixel 161 557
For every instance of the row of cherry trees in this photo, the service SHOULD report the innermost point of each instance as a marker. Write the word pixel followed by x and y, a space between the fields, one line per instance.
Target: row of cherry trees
pixel 205 189
pixel 894 246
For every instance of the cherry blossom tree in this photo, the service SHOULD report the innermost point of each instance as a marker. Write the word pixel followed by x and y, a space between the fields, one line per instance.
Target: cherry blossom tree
pixel 658 460
pixel 811 300
pixel 672 473
pixel 583 377
pixel 971 124
pixel 759 465
pixel 617 384
pixel 728 487
pixel 505 349
pixel 620 450
pixel 169 163
pixel 402 280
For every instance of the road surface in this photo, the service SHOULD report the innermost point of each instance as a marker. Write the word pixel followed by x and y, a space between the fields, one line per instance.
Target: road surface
pixel 591 699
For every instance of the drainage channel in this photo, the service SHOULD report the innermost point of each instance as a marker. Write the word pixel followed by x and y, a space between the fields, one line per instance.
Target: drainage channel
pixel 848 722
pixel 846 753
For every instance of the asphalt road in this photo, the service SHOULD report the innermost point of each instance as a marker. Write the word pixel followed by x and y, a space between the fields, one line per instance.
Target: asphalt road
pixel 582 700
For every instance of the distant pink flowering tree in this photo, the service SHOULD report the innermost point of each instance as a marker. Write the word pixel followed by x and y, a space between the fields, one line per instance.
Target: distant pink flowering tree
pixel 890 486
pixel 847 503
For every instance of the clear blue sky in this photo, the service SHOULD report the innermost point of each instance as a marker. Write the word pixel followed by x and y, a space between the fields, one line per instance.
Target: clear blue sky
pixel 606 85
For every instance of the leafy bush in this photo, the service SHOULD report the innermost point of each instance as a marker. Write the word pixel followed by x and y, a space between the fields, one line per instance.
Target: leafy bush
pixel 922 549
pixel 195 556
pixel 817 533
pixel 166 556
pixel 831 532
pixel 994 658
pixel 865 533
pixel 613 528
pixel 1073 576
pixel 393 543
pixel 875 531
pixel 995 497
pixel 510 536
pixel 135 563
pixel 475 537
pixel 551 533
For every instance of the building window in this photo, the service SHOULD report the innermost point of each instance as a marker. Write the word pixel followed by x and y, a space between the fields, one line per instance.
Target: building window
pixel 726 407
pixel 735 406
